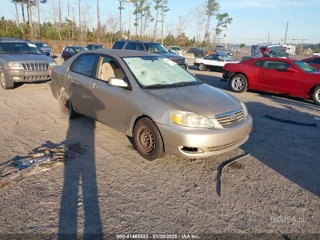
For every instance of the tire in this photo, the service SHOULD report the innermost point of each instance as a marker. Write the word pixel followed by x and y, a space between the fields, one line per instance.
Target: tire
pixel 5 82
pixel 202 67
pixel 147 140
pixel 66 106
pixel 238 83
pixel 316 95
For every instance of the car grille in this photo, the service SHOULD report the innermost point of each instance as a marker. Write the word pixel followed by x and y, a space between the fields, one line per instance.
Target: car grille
pixel 229 119
pixel 221 147
pixel 35 66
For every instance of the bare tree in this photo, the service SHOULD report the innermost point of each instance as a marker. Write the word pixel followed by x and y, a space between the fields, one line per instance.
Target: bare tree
pixel 112 26
pixel 17 13
pixel 98 34
pixel 157 8
pixel 184 22
pixel 211 7
pixel 30 18
pixel 121 7
pixel 199 16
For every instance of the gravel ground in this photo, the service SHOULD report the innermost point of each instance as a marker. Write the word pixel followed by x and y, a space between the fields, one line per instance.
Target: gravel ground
pixel 273 188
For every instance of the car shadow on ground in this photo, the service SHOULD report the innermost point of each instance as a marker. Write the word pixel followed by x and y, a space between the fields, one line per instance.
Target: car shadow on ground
pixel 289 147
pixel 285 139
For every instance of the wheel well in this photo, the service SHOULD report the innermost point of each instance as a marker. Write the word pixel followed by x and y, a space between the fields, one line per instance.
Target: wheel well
pixel 145 116
pixel 313 88
pixel 60 89
pixel 239 73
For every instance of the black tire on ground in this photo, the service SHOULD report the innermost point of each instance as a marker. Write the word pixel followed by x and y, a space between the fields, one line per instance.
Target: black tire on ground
pixel 66 105
pixel 202 67
pixel 147 139
pixel 5 82
pixel 238 83
pixel 316 95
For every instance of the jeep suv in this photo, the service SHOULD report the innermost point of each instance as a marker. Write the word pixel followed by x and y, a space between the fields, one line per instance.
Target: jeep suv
pixel 22 61
pixel 153 47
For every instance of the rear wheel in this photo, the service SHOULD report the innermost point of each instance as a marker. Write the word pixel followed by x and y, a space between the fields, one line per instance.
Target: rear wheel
pixel 147 140
pixel 6 83
pixel 202 67
pixel 239 83
pixel 66 105
pixel 316 95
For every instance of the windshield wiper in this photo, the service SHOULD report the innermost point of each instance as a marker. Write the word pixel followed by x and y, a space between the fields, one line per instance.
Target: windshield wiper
pixel 182 84
pixel 30 53
pixel 157 86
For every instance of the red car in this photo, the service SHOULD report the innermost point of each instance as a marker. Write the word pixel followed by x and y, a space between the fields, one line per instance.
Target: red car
pixel 277 75
pixel 314 62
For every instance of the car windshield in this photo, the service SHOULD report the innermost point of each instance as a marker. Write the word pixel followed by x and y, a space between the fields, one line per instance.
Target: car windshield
pixel 41 44
pixel 155 47
pixel 159 72
pixel 175 48
pixel 305 66
pixel 278 53
pixel 98 47
pixel 227 58
pixel 19 48
pixel 78 49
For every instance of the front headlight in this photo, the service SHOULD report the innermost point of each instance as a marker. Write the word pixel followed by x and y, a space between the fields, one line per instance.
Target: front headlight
pixel 244 108
pixel 190 119
pixel 52 64
pixel 14 65
pixel 185 61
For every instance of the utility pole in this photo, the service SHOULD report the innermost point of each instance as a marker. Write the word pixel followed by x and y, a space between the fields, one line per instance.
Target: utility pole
pixel 129 19
pixel 285 36
pixel 268 38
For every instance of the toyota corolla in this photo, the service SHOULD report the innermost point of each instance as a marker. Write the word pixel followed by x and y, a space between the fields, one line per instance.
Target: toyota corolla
pixel 165 109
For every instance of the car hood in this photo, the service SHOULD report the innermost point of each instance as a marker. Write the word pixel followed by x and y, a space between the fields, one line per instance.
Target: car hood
pixel 171 55
pixel 202 99
pixel 26 58
pixel 46 49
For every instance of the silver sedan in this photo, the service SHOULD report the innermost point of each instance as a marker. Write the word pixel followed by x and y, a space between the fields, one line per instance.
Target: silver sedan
pixel 163 107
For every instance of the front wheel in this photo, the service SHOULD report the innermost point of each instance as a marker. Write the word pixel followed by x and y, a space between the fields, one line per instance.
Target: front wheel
pixel 202 67
pixel 66 106
pixel 316 95
pixel 5 82
pixel 147 140
pixel 238 83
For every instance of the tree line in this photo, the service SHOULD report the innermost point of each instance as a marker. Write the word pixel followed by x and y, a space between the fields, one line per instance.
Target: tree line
pixel 148 19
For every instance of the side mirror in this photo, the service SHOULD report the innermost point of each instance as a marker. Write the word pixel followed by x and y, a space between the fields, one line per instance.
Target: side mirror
pixel 117 82
pixel 47 54
pixel 291 69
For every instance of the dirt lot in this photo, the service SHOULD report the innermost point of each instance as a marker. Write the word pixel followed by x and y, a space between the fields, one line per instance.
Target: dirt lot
pixel 274 189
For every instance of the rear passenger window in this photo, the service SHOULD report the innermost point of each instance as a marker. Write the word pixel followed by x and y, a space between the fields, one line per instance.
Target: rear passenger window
pixel 258 64
pixel 84 64
pixel 316 61
pixel 118 45
pixel 131 46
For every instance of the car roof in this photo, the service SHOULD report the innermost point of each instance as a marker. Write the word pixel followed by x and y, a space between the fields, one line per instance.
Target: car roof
pixel 125 40
pixel 271 59
pixel 122 52
pixel 8 39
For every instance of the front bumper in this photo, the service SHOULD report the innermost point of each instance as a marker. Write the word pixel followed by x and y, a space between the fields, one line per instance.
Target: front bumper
pixel 202 143
pixel 28 76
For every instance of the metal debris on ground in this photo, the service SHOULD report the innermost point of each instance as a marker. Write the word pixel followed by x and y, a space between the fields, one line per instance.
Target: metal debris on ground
pixel 17 169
